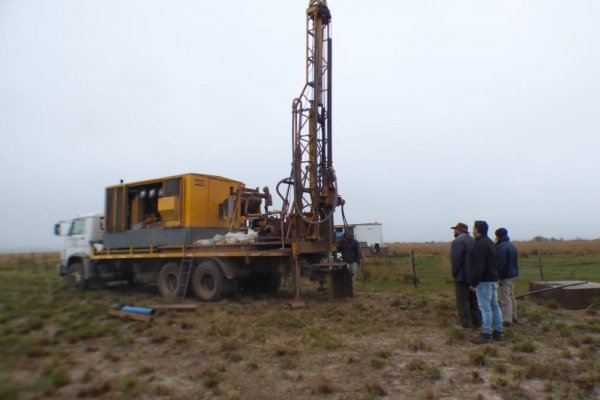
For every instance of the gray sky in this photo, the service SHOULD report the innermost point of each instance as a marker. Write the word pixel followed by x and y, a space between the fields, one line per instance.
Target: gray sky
pixel 444 111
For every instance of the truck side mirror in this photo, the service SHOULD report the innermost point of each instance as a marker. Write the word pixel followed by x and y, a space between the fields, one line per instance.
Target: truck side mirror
pixel 57 229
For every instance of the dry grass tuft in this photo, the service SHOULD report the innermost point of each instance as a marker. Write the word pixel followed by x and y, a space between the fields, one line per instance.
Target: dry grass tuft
pixel 429 394
pixel 500 368
pixel 375 389
pixel 211 378
pixel 490 351
pixel 478 359
pixel 323 386
pixel 476 377
pixel 455 334
pixel 288 363
pixel 95 390
pixel 377 363
pixel 415 364
pixel 417 344
pixel 383 354
pixel 525 347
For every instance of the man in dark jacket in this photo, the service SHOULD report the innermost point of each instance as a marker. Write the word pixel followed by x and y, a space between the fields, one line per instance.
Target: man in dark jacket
pixel 508 270
pixel 484 281
pixel 351 254
pixel 460 257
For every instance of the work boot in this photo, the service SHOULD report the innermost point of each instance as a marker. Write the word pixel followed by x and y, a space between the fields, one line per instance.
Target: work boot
pixel 484 338
pixel 497 336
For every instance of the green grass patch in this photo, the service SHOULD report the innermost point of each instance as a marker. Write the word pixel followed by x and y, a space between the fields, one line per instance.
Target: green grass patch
pixel 323 339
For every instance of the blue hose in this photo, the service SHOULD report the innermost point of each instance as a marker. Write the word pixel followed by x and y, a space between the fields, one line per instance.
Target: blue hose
pixel 138 310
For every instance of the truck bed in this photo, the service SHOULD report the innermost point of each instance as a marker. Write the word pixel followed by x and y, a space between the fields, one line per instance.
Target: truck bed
pixel 264 249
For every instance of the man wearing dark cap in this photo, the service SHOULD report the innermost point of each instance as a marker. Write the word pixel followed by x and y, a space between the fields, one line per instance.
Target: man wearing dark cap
pixel 508 270
pixel 484 281
pixel 460 257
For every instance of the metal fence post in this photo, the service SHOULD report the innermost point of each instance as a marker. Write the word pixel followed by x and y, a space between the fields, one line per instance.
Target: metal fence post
pixel 414 267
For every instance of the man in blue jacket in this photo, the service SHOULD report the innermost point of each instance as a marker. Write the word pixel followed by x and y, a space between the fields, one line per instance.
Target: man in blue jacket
pixel 484 281
pixel 460 257
pixel 508 270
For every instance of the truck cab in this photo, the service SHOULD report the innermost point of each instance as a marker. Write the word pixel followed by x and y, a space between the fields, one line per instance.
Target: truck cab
pixel 81 233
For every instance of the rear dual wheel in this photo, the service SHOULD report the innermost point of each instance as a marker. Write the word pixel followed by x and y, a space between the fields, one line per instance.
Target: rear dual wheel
pixel 208 281
pixel 168 278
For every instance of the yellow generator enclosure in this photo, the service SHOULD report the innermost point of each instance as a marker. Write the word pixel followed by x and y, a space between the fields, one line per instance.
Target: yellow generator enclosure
pixel 172 210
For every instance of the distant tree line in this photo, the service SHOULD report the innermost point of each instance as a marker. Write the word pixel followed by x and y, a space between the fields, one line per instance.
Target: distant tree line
pixel 552 239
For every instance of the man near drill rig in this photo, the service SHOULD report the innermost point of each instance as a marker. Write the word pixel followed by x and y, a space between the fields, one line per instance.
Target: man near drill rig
pixel 351 254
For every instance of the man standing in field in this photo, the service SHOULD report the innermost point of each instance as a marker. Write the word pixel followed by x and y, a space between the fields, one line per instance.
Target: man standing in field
pixel 484 281
pixel 508 270
pixel 351 254
pixel 460 257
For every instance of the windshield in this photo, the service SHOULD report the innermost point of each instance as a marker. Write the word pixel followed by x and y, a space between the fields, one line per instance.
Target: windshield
pixel 77 227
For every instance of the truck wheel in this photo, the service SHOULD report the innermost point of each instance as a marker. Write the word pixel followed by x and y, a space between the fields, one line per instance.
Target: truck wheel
pixel 208 281
pixel 167 280
pixel 75 277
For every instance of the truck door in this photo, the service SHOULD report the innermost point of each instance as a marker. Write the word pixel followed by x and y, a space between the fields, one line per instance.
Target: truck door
pixel 76 242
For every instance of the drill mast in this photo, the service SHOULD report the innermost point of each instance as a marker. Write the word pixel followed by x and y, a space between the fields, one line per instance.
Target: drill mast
pixel 313 178
pixel 308 218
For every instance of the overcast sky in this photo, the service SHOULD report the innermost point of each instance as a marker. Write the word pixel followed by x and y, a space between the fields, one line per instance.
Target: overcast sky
pixel 443 111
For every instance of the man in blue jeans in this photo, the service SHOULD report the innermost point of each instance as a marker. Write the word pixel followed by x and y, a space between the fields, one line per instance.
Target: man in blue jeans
pixel 484 281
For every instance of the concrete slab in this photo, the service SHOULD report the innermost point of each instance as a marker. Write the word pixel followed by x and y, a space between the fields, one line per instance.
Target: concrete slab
pixel 576 296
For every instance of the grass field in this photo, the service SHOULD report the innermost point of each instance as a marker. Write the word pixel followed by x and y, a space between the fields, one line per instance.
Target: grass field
pixel 391 341
pixel 570 260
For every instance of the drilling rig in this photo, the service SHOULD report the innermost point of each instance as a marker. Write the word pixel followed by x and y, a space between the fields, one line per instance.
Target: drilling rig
pixel 211 234
pixel 310 227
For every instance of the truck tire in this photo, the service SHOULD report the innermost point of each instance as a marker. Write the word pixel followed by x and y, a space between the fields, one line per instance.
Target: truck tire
pixel 208 281
pixel 76 277
pixel 167 280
